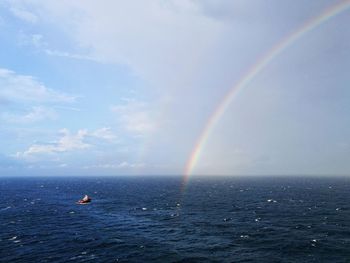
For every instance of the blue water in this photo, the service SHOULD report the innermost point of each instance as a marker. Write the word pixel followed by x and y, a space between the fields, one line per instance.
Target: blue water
pixel 149 219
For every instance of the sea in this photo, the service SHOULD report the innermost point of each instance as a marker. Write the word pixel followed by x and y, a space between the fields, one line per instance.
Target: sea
pixel 159 219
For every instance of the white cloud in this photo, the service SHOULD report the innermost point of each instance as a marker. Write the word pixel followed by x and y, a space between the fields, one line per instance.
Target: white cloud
pixel 173 35
pixel 166 44
pixel 191 51
pixel 24 15
pixel 30 100
pixel 38 41
pixel 68 108
pixel 104 133
pixel 36 114
pixel 48 166
pixel 121 165
pixel 65 54
pixel 35 40
pixel 135 117
pixel 24 88
pixel 67 142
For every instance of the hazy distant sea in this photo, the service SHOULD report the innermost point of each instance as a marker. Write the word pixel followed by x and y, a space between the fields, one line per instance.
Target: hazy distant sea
pixel 149 219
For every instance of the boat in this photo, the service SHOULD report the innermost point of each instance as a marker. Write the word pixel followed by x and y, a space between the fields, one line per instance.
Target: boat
pixel 85 200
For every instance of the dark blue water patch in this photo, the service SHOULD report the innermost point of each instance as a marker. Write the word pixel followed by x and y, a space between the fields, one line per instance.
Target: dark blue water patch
pixel 149 219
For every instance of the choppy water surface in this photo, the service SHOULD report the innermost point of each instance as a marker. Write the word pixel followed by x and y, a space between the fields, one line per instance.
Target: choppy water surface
pixel 145 219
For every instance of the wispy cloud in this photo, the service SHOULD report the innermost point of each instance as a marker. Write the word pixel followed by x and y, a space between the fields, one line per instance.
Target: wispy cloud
pixel 35 114
pixel 38 42
pixel 25 88
pixel 24 15
pixel 135 117
pixel 116 32
pixel 67 108
pixel 67 142
pixel 34 40
pixel 121 165
pixel 49 166
pixel 104 133
pixel 59 53
pixel 28 99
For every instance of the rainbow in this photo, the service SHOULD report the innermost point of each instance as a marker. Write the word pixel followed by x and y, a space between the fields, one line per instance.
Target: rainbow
pixel 256 68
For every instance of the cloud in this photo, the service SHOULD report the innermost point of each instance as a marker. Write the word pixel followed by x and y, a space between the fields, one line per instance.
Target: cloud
pixel 67 108
pixel 48 166
pixel 24 15
pixel 65 54
pixel 193 52
pixel 36 114
pixel 135 117
pixel 121 165
pixel 104 133
pixel 67 142
pixel 38 41
pixel 24 88
pixel 134 33
pixel 27 100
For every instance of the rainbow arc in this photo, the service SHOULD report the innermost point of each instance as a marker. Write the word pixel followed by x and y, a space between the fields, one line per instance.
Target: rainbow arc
pixel 250 74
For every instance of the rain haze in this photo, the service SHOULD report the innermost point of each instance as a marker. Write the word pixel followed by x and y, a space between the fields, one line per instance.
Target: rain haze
pixel 129 87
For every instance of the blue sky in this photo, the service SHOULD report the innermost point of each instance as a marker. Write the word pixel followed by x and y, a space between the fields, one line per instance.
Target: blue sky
pixel 126 87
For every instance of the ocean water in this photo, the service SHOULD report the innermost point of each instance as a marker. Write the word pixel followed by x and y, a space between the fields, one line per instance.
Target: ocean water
pixel 152 219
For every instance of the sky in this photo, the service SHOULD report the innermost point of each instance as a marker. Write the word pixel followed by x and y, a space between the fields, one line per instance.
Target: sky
pixel 127 88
